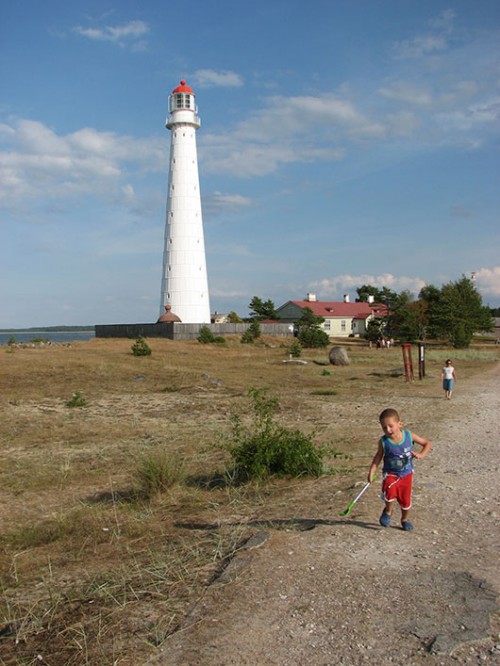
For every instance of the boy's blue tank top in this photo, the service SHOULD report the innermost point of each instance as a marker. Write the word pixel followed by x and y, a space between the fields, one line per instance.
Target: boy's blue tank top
pixel 398 457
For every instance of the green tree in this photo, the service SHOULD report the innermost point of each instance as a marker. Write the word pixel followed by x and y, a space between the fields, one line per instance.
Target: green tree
pixel 309 331
pixel 260 309
pixel 459 313
pixel 141 347
pixel 365 291
pixel 233 318
pixel 252 333
pixel 375 329
pixel 407 318
pixel 384 295
pixel 205 335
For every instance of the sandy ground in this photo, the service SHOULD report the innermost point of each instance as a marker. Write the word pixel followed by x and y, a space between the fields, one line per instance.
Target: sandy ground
pixel 333 590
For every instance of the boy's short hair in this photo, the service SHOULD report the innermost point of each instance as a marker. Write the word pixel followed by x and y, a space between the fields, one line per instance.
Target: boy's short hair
pixel 389 414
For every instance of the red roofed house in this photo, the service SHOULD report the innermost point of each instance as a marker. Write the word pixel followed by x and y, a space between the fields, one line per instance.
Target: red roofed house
pixel 342 318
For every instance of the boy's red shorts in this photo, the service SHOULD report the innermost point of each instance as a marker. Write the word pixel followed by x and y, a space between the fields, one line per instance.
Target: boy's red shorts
pixel 398 488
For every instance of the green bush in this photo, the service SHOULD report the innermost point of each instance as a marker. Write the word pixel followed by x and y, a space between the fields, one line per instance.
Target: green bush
pixel 252 333
pixel 270 448
pixel 141 347
pixel 76 400
pixel 295 349
pixel 310 336
pixel 205 335
pixel 247 337
pixel 254 328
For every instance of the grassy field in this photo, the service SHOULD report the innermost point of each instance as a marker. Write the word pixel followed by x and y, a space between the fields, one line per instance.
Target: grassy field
pixel 98 564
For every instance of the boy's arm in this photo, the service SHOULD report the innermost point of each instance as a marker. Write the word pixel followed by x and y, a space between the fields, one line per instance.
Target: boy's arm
pixel 424 443
pixel 376 461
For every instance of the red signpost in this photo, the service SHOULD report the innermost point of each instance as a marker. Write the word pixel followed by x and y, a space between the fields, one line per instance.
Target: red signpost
pixel 408 362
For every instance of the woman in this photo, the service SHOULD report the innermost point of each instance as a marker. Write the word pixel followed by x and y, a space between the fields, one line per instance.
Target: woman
pixel 449 378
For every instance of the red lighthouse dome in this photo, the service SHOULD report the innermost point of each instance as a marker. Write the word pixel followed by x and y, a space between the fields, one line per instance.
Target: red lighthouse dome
pixel 183 88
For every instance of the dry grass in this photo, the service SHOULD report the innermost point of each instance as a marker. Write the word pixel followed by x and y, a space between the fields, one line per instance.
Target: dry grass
pixel 94 570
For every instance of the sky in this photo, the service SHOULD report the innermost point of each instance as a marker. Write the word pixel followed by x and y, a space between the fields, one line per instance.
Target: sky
pixel 343 142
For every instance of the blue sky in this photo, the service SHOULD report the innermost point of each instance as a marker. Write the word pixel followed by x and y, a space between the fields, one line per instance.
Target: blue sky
pixel 343 142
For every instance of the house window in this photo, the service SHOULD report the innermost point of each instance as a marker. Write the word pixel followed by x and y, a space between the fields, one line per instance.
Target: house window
pixel 343 326
pixel 327 325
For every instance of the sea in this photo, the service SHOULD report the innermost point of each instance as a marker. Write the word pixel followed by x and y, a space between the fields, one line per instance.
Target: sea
pixel 53 336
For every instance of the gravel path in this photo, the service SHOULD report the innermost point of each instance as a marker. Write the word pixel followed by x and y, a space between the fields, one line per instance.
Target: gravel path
pixel 350 592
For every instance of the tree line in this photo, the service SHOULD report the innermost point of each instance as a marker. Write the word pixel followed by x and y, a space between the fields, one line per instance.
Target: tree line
pixel 452 313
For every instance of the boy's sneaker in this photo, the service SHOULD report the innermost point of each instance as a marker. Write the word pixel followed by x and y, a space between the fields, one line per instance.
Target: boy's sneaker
pixel 385 519
pixel 407 526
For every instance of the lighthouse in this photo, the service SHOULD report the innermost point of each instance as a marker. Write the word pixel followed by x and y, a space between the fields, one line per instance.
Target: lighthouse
pixel 184 285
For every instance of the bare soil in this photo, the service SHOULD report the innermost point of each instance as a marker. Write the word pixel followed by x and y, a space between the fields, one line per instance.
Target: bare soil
pixel 312 587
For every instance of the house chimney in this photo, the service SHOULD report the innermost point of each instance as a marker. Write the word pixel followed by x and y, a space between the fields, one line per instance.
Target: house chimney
pixel 346 298
pixel 311 298
pixel 371 298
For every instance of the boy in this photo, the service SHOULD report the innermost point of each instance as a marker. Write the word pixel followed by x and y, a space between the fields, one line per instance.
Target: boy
pixel 396 448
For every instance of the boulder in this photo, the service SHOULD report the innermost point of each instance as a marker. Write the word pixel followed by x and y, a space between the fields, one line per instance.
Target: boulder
pixel 338 356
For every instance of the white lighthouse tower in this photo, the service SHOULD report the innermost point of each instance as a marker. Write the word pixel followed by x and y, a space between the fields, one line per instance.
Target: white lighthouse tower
pixel 184 285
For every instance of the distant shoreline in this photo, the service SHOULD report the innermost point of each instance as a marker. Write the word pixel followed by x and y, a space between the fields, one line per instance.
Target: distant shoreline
pixel 47 329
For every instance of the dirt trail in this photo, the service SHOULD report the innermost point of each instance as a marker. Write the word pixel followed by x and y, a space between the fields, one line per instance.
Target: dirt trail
pixel 346 591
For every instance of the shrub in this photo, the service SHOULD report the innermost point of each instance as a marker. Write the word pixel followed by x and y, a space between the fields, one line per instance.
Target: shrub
pixel 141 347
pixel 310 336
pixel 76 400
pixel 270 448
pixel 252 332
pixel 247 337
pixel 254 328
pixel 158 471
pixel 205 335
pixel 295 349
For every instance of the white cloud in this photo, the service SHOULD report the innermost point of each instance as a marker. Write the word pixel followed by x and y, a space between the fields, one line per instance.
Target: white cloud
pixel 335 287
pixel 128 33
pixel 278 134
pixel 210 78
pixel 218 201
pixel 480 114
pixel 444 21
pixel 420 46
pixel 408 93
pixel 488 281
pixel 36 162
pixel 436 41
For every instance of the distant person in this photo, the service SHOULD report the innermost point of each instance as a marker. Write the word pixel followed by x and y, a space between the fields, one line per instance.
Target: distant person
pixel 448 377
pixel 395 447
